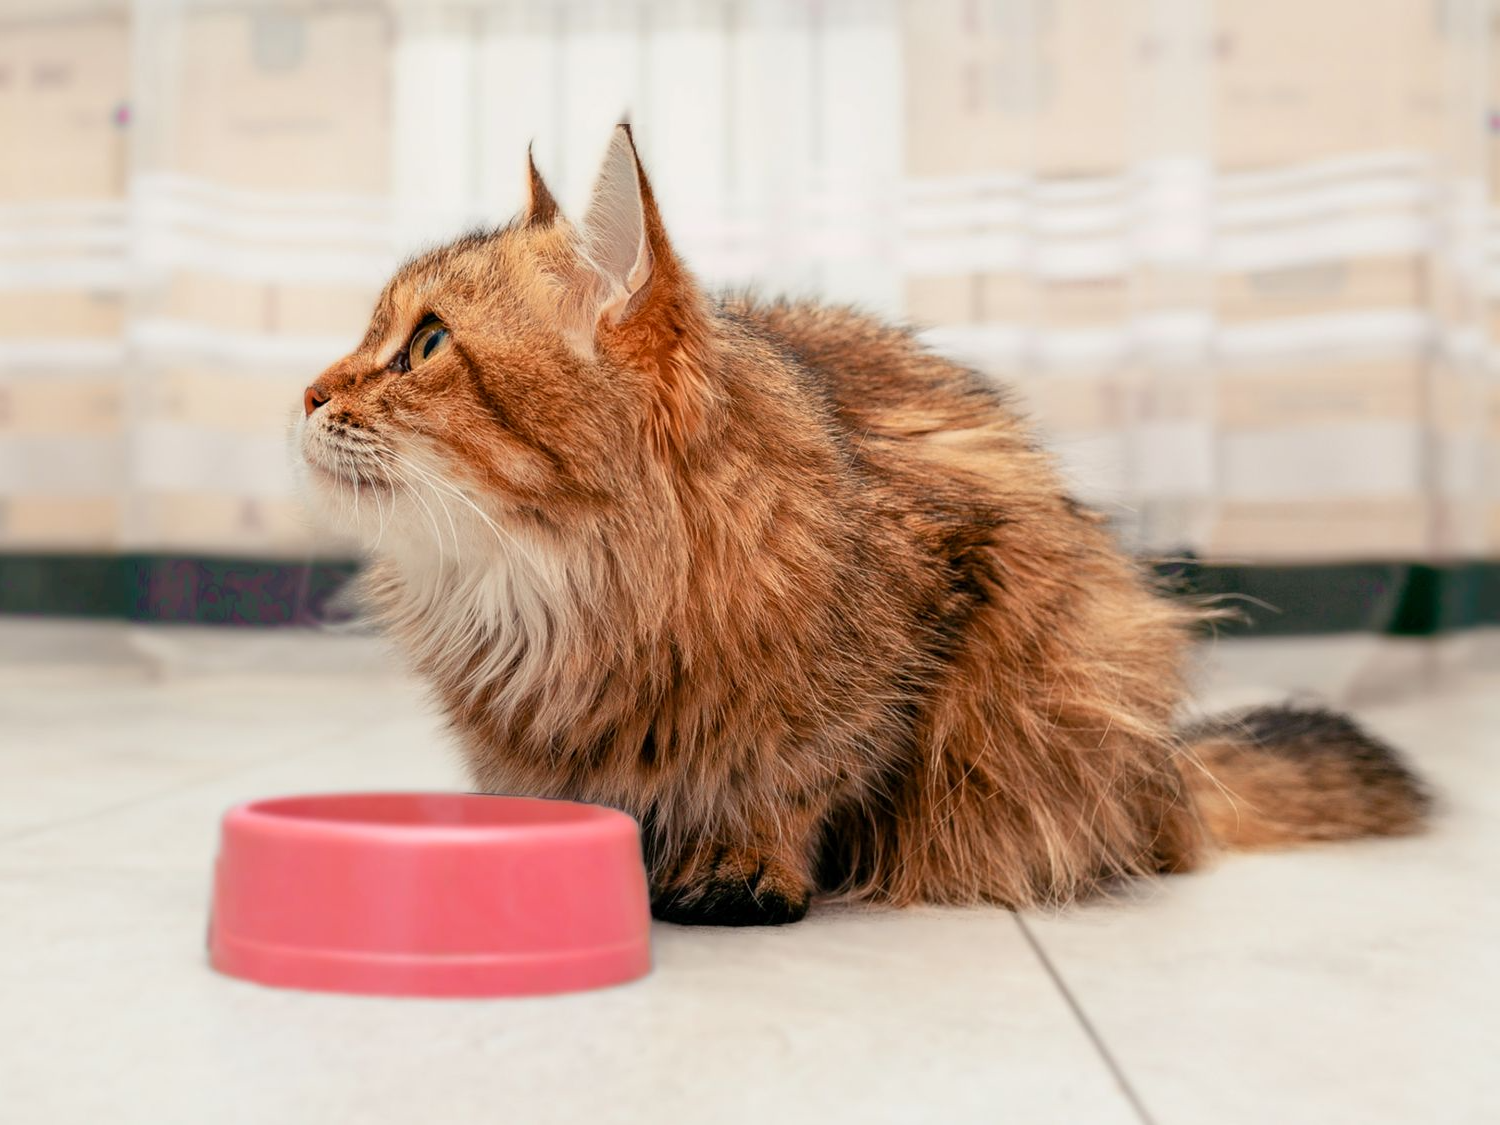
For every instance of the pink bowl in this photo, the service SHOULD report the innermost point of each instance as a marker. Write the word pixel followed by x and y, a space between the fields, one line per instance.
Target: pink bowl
pixel 419 894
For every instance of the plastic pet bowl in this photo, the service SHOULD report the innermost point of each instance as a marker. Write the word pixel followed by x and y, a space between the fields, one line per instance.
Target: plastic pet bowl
pixel 419 894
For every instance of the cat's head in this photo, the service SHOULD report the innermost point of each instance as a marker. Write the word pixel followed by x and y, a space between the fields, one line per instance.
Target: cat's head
pixel 514 383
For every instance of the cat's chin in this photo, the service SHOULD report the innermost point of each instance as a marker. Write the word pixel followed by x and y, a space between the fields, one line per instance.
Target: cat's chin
pixel 320 476
pixel 332 499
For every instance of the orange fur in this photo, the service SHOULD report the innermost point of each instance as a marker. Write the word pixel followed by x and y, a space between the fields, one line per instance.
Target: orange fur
pixel 803 597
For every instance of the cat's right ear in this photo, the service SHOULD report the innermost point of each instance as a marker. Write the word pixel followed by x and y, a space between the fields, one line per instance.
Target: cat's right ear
pixel 541 208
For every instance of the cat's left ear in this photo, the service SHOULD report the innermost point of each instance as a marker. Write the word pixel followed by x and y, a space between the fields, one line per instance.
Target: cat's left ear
pixel 541 208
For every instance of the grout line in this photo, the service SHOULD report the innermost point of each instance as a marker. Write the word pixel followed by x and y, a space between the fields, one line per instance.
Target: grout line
pixel 34 830
pixel 1138 1106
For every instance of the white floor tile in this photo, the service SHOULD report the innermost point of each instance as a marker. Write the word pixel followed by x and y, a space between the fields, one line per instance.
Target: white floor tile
pixel 1344 983
pixel 72 747
pixel 179 828
pixel 111 1014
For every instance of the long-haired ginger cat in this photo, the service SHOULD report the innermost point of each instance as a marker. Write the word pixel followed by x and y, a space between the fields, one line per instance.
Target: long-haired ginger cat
pixel 803 597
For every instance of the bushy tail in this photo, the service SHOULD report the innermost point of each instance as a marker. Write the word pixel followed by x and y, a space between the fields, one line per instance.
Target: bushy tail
pixel 1273 776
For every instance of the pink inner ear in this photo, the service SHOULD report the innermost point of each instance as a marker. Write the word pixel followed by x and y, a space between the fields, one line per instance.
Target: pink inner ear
pixel 614 228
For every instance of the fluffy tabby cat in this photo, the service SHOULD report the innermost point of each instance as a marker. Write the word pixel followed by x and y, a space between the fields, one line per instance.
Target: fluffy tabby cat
pixel 803 597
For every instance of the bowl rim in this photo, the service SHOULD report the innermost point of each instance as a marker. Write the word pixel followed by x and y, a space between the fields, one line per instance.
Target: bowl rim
pixel 259 816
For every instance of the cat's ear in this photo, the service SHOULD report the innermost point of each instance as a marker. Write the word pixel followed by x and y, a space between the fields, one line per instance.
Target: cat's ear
pixel 618 227
pixel 638 300
pixel 541 208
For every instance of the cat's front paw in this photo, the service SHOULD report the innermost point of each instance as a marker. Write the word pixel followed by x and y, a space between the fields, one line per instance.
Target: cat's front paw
pixel 734 888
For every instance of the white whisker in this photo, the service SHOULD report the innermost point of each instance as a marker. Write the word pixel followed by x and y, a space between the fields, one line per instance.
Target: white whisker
pixel 437 533
pixel 427 479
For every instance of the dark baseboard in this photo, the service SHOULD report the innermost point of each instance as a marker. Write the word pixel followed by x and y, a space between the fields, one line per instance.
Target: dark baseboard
pixel 1402 599
pixel 1395 598
pixel 171 588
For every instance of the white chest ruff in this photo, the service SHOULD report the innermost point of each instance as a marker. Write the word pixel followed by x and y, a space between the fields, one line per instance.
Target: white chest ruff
pixel 499 627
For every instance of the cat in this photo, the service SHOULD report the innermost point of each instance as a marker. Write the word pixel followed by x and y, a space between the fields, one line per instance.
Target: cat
pixel 803 597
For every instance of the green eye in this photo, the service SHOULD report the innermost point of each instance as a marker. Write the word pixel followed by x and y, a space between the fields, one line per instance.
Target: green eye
pixel 430 339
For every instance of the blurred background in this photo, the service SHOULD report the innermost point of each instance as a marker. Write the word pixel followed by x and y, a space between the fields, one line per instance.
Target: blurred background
pixel 1238 258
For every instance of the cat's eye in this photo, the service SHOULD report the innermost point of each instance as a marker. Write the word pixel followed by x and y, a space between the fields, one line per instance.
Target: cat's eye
pixel 429 340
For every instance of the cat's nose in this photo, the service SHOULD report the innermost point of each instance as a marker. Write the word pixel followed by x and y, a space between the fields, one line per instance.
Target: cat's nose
pixel 312 398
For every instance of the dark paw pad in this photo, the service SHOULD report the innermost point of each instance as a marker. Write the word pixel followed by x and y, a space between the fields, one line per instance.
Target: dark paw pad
pixel 753 899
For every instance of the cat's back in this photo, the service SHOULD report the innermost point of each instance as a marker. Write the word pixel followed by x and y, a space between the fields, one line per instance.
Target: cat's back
pixel 876 376
pixel 939 442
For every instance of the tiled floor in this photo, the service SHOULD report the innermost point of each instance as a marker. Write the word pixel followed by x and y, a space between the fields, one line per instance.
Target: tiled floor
pixel 1343 984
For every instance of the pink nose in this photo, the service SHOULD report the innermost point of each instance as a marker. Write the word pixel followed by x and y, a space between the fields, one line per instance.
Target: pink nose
pixel 313 397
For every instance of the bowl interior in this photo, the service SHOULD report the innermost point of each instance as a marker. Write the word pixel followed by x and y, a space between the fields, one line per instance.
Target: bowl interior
pixel 417 810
